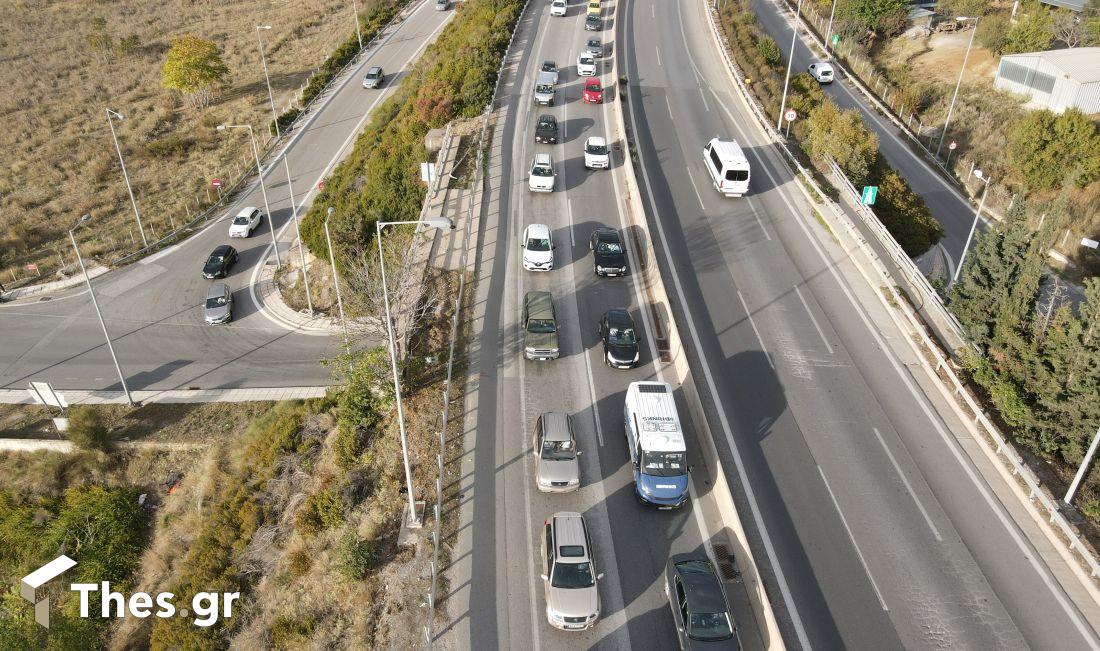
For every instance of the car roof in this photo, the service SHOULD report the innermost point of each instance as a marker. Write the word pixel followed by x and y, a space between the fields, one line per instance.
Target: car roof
pixel 216 290
pixel 542 159
pixel 619 316
pixel 701 586
pixel 536 230
pixel 606 232
pixel 245 212
pixel 374 69
pixel 591 81
pixel 594 41
pixel 549 62
pixel 546 117
pixel 221 249
pixel 569 531
pixel 824 65
pixel 555 426
pixel 596 140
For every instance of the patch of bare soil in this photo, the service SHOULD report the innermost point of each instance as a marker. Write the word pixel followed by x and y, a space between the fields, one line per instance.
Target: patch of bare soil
pixel 938 58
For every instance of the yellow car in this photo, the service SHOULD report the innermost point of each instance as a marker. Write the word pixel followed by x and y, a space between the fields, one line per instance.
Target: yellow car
pixel 594 8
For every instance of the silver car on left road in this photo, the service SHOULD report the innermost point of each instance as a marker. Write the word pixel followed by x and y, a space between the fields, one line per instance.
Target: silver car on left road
pixel 555 449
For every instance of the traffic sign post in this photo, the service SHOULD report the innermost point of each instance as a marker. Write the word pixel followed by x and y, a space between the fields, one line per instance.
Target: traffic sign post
pixel 870 192
pixel 790 116
pixel 950 148
pixel 217 185
pixel 34 267
pixel 836 39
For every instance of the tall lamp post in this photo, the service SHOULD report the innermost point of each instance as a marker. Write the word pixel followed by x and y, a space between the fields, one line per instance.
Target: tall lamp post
pixel 829 29
pixel 977 216
pixel 434 222
pixel 267 78
pixel 790 62
pixel 95 304
pixel 951 108
pixel 355 13
pixel 1083 469
pixel 263 187
pixel 336 277
pixel 298 232
pixel 125 175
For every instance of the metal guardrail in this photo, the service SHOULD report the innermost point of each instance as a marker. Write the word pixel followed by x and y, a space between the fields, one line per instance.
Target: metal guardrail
pixel 1002 447
pixel 304 117
pixel 429 627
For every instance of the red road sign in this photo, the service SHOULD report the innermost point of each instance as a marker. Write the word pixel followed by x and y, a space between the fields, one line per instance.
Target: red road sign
pixel 790 115
pixel 32 267
pixel 321 184
pixel 215 183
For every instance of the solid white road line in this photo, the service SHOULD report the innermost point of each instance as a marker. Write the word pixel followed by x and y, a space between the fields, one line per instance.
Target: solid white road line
pixel 908 486
pixel 852 538
pixel 748 315
pixel 695 187
pixel 658 53
pixel 813 319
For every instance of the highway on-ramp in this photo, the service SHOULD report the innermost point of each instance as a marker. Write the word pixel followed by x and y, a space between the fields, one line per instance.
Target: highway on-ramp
pixel 154 307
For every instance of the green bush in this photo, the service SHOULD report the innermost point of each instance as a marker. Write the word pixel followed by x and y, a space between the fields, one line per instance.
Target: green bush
pixel 172 145
pixel 360 409
pixel 291 632
pixel 1047 151
pixel 768 50
pixel 842 136
pixel 86 428
pixel 300 562
pixel 1033 31
pixel 904 213
pixel 993 34
pixel 355 557
pixel 322 510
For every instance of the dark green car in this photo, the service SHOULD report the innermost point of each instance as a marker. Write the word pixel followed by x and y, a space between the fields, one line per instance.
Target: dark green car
pixel 540 329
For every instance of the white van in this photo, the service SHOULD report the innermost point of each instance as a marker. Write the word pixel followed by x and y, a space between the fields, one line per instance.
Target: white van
pixel 728 167
pixel 656 443
pixel 544 88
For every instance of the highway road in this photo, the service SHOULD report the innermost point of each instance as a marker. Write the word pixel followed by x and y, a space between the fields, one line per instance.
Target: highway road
pixel 873 529
pixel 153 308
pixel 944 201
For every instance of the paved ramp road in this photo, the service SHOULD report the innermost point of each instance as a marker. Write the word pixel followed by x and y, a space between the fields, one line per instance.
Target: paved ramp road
pixel 153 308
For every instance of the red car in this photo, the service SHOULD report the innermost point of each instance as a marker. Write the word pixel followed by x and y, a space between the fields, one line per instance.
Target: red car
pixel 593 92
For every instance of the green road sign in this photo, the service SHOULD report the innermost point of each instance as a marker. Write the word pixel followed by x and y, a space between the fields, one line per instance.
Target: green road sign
pixel 836 38
pixel 869 194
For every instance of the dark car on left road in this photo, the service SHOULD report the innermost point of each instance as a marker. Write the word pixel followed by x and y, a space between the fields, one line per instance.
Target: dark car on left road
pixel 220 261
pixel 699 608
pixel 546 130
pixel 620 339
pixel 608 252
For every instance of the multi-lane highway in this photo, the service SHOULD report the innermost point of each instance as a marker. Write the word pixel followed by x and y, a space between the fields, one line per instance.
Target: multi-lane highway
pixel 153 308
pixel 870 525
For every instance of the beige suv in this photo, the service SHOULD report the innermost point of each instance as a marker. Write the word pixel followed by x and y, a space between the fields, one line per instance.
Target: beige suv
pixel 555 449
pixel 569 576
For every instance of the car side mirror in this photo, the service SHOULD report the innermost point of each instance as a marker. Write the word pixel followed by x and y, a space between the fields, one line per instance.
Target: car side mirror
pixel 579 453
pixel 543 577
pixel 691 467
pixel 599 576
pixel 634 463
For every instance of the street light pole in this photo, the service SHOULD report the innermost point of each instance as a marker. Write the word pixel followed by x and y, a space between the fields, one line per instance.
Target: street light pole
pixel 125 175
pixel 336 278
pixel 977 216
pixel 358 34
pixel 951 108
pixel 263 187
pixel 438 223
pixel 829 29
pixel 790 62
pixel 98 313
pixel 298 232
pixel 270 97
pixel 1084 467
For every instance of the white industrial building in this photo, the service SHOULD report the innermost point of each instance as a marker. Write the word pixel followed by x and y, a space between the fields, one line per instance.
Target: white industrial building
pixel 1056 79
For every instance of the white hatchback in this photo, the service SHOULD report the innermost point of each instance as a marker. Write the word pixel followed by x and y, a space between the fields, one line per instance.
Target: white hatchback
pixel 542 174
pixel 538 248
pixel 596 154
pixel 822 72
pixel 245 222
pixel 558 8
pixel 586 66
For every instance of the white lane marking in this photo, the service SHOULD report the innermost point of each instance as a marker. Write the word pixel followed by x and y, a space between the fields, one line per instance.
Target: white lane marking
pixel 703 96
pixel 813 319
pixel 748 315
pixel 658 53
pixel 592 395
pixel 653 10
pixel 756 216
pixel 691 176
pixel 949 441
pixel 852 538
pixel 739 463
pixel 669 104
pixel 908 487
pixel 306 198
pixel 569 216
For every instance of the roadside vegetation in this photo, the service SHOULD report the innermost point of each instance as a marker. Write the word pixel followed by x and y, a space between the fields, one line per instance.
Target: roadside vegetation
pixel 66 62
pixel 825 131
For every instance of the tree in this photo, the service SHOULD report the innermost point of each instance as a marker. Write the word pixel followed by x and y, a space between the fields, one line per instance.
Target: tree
pixel 1033 32
pixel 841 136
pixel 768 50
pixel 963 7
pixel 1047 150
pixel 86 428
pixel 1090 22
pixel 883 17
pixel 194 67
pixel 905 214
pixel 1068 27
pixel 993 34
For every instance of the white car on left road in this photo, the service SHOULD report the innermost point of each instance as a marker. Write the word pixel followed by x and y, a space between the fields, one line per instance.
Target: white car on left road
pixel 586 66
pixel 245 222
pixel 542 174
pixel 538 248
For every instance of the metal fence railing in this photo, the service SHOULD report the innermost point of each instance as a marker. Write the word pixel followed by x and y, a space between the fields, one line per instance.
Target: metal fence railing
pixel 476 186
pixel 942 366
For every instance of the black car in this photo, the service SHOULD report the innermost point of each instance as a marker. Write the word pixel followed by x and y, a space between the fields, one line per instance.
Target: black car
pixel 220 261
pixel 593 23
pixel 546 129
pixel 620 339
pixel 699 609
pixel 608 251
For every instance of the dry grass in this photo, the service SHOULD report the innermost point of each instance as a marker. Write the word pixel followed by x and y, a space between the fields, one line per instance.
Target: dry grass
pixel 181 423
pixel 60 161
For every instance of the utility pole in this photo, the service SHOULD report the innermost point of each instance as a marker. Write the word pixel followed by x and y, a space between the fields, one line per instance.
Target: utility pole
pixel 267 77
pixel 125 175
pixel 263 187
pixel 951 108
pixel 1084 467
pixel 790 62
pixel 298 232
pixel 336 278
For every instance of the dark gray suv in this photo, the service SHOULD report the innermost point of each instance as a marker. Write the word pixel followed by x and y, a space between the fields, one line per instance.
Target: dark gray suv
pixel 699 609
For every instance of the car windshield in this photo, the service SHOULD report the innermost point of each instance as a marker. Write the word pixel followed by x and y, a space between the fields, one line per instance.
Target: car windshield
pixel 373 73
pixel 216 301
pixel 547 124
pixel 572 575
pixel 663 464
pixel 710 626
pixel 548 66
pixel 558 450
pixel 538 244
pixel 593 85
pixel 621 336
pixel 215 259
pixel 543 326
pixel 585 61
pixel 241 220
pixel 609 248
pixel 599 150
pixel 539 170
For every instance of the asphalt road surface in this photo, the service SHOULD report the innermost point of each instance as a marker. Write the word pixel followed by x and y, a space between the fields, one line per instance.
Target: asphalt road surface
pixel 153 308
pixel 873 530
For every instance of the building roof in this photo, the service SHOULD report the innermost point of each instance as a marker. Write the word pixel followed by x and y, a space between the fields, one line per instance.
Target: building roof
pixel 1082 64
pixel 1074 5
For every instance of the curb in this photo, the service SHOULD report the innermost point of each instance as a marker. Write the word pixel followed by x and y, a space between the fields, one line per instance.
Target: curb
pixel 41 288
